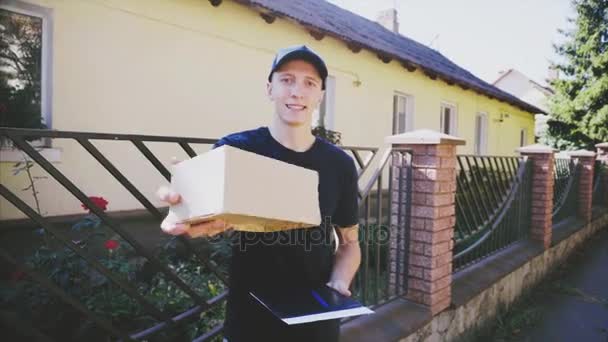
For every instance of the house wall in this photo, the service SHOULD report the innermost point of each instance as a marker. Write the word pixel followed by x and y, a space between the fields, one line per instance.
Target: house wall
pixel 185 68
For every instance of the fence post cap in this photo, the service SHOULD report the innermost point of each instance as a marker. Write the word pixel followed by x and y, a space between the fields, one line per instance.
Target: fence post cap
pixel 424 137
pixel 536 148
pixel 602 145
pixel 582 153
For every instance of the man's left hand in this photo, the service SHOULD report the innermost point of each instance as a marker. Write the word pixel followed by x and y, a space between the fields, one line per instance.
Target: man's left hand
pixel 340 286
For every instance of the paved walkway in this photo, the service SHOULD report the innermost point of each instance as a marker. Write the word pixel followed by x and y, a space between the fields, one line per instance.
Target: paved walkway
pixel 576 307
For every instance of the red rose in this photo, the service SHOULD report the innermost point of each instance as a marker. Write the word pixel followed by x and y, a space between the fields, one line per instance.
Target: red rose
pixel 17 275
pixel 99 202
pixel 111 244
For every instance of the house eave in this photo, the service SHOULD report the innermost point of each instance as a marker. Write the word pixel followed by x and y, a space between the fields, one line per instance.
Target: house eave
pixel 428 71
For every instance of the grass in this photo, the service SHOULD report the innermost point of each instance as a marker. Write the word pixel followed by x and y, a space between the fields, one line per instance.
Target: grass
pixel 510 324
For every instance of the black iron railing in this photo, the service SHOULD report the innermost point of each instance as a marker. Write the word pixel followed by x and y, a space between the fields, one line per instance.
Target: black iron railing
pixel 164 291
pixel 565 190
pixel 599 182
pixel 362 156
pixel 493 203
pixel 383 230
pixel 160 320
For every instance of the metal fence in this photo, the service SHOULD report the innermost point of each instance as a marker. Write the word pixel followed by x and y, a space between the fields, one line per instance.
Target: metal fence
pixel 493 205
pixel 176 293
pixel 383 230
pixel 72 259
pixel 599 180
pixel 566 175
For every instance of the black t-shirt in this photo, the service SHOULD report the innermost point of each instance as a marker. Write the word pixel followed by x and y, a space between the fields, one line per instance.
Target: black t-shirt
pixel 294 257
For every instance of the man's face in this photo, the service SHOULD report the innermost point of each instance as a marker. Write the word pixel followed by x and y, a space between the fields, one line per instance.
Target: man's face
pixel 296 90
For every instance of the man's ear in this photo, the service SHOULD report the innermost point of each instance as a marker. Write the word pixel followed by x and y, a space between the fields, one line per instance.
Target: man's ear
pixel 269 90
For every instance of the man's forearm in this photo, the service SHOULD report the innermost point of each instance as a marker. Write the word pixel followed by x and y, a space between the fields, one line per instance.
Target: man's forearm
pixel 348 258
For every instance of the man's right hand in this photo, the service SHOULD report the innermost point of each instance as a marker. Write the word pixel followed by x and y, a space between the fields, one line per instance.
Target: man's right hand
pixel 171 224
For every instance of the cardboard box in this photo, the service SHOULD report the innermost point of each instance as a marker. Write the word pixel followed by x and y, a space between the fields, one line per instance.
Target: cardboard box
pixel 249 191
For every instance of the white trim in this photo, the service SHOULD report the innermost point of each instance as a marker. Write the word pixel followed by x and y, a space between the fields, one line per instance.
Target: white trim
pixel 523 139
pixel 327 105
pixel 481 141
pixel 453 129
pixel 330 102
pixel 46 75
pixel 409 113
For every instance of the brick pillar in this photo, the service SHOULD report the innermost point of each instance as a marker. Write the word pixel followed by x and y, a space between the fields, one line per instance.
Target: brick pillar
pixel 602 152
pixel 586 163
pixel 431 230
pixel 602 156
pixel 543 162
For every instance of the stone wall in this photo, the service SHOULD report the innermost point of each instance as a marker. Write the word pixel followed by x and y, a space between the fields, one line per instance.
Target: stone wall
pixel 453 323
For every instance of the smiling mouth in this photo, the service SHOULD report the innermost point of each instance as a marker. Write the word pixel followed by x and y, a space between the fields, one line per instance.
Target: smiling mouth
pixel 296 107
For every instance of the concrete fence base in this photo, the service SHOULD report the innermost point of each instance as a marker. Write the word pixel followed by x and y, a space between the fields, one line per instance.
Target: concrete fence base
pixel 477 292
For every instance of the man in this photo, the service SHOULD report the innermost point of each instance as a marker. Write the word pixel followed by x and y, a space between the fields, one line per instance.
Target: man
pixel 296 85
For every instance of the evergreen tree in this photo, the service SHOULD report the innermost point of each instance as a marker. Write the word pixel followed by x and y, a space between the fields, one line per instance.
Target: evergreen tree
pixel 579 108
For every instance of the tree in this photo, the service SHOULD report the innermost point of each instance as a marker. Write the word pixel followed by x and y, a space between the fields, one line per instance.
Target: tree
pixel 579 108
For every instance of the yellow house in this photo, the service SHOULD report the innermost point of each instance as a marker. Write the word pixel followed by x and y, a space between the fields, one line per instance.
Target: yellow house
pixel 198 68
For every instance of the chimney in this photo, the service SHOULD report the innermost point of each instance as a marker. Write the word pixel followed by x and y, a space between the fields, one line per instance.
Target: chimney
pixel 388 19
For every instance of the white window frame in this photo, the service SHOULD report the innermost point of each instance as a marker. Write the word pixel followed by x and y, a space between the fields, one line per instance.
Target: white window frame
pixel 46 82
pixel 406 102
pixel 523 137
pixel 453 128
pixel 327 107
pixel 481 133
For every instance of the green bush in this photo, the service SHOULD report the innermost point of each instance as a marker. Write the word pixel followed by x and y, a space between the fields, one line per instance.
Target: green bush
pixel 23 297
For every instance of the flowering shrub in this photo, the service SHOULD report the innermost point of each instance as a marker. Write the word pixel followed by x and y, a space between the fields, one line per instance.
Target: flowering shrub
pixel 77 278
pixel 111 245
pixel 16 276
pixel 100 202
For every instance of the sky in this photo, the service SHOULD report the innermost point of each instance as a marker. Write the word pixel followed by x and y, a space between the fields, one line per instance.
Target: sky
pixel 482 36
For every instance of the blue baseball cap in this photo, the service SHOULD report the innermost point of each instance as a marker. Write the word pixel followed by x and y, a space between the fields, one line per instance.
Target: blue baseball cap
pixel 301 52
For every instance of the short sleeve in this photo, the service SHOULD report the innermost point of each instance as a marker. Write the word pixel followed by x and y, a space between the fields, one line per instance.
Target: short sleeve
pixel 347 210
pixel 234 140
pixel 221 142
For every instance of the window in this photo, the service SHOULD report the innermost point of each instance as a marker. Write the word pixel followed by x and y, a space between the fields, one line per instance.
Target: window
pixel 448 119
pixel 403 114
pixel 325 114
pixel 523 137
pixel 25 65
pixel 481 134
